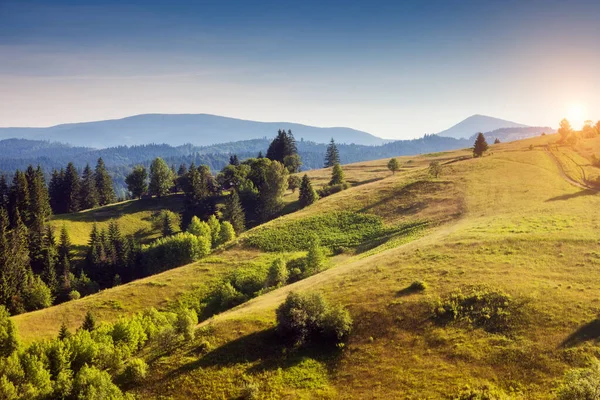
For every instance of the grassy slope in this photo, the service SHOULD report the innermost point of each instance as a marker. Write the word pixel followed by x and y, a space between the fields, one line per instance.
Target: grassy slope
pixel 156 291
pixel 524 230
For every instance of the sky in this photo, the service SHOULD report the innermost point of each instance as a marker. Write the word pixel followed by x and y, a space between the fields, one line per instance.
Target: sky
pixel 396 69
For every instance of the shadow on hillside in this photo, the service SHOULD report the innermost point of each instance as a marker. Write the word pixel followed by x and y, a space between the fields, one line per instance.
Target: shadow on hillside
pixel 585 333
pixel 355 183
pixel 264 347
pixel 584 192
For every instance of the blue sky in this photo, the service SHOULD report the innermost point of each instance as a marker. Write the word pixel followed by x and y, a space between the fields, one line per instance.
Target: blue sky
pixel 395 69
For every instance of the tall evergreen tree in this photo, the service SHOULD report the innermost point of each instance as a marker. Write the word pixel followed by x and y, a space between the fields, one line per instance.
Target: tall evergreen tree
pixel 50 260
pixel 88 194
pixel 71 189
pixel 104 184
pixel 56 192
pixel 14 259
pixel 308 195
pixel 3 192
pixel 39 212
pixel 64 260
pixel 234 213
pixel 233 160
pixel 19 198
pixel 480 145
pixel 332 155
pixel 282 147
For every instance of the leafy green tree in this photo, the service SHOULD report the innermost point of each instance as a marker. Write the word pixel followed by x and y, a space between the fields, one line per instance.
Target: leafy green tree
pixel 186 322
pixel 199 228
pixel 88 195
pixel 271 193
pixel 435 169
pixel 71 189
pixel 294 182
pixel 93 384
pixel 332 155
pixel 226 233
pixel 89 322
pixel 308 195
pixel 292 163
pixel 564 130
pixel 36 294
pixel 215 229
pixel 9 340
pixel 104 184
pixel 393 165
pixel 337 175
pixel 480 145
pixel 234 213
pixel 315 259
pixel 137 181
pixel 278 273
pixel 161 178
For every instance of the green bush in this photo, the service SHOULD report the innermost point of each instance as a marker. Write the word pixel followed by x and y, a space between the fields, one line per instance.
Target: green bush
pixel 135 371
pixel 199 228
pixel 308 317
pixel 74 295
pixel 417 286
pixel 479 306
pixel 580 383
pixel 8 391
pixel 174 251
pixel 93 384
pixel 227 233
pixel 278 273
pixel 37 294
pixel 186 322
pixel 340 228
pixel 332 189
pixel 9 341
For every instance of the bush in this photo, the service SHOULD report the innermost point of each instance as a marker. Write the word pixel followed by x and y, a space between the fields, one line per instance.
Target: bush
pixel 74 295
pixel 308 317
pixel 332 189
pixel 174 251
pixel 135 371
pixel 186 322
pixel 227 233
pixel 581 383
pixel 278 273
pixel 479 306
pixel 199 228
pixel 225 296
pixel 417 286
pixel 92 384
pixel 339 228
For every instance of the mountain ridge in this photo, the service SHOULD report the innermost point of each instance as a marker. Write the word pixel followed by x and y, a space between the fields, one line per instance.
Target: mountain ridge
pixel 478 123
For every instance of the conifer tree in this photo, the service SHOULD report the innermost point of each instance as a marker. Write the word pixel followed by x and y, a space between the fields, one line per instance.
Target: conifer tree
pixel 337 175
pixel 104 184
pixel 89 322
pixel 19 198
pixel 3 192
pixel 14 259
pixel 332 156
pixel 233 160
pixel 480 145
pixel 308 195
pixel 260 155
pixel 65 259
pixel 39 212
pixel 63 333
pixel 88 194
pixel 137 181
pixel 283 149
pixel 50 259
pixel 167 225
pixel 71 189
pixel 234 213
pixel 315 257
pixel 55 189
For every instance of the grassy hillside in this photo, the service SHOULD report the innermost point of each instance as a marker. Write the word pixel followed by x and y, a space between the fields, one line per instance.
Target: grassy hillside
pixel 513 221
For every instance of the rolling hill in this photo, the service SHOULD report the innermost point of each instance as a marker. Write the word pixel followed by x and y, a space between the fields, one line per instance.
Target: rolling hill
pixel 519 223
pixel 179 129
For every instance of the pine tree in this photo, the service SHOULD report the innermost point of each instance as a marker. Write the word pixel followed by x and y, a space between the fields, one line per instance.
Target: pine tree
pixel 480 146
pixel 71 189
pixel 137 181
pixel 167 225
pixel 55 189
pixel 308 195
pixel 50 260
pixel 234 212
pixel 19 198
pixel 181 178
pixel 3 192
pixel 260 155
pixel 39 212
pixel 88 194
pixel 63 333
pixel 337 175
pixel 65 259
pixel 104 184
pixel 283 149
pixel 14 259
pixel 332 156
pixel 233 160
pixel 89 322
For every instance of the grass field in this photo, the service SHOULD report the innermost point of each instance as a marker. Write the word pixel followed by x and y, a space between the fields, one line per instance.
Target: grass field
pixel 509 220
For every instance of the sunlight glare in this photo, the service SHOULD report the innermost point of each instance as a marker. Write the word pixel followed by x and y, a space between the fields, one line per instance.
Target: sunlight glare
pixel 576 115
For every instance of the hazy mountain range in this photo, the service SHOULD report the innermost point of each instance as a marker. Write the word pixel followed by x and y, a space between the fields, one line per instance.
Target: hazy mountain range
pixel 205 129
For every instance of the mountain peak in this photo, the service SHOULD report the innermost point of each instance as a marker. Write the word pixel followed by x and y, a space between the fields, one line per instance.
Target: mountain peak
pixel 478 123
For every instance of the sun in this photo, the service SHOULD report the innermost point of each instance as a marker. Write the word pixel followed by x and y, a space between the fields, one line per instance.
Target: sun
pixel 576 114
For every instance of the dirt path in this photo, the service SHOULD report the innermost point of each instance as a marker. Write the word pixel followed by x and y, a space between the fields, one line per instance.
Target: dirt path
pixel 564 175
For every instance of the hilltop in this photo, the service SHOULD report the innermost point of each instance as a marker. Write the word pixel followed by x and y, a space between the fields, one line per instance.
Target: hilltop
pixel 179 129
pixel 478 123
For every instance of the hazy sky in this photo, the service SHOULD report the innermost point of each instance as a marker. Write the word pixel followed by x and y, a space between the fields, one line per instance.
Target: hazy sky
pixel 396 69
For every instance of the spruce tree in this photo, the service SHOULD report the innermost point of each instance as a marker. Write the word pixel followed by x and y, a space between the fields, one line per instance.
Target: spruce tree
pixel 88 195
pixel 71 189
pixel 104 184
pixel 63 333
pixel 55 189
pixel 50 260
pixel 234 212
pixel 89 322
pixel 39 212
pixel 14 250
pixel 308 195
pixel 65 260
pixel 315 257
pixel 19 198
pixel 480 145
pixel 332 156
pixel 167 225
pixel 3 192
pixel 337 175
pixel 233 160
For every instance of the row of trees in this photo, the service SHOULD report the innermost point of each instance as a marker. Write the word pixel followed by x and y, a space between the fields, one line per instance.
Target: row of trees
pixel 571 136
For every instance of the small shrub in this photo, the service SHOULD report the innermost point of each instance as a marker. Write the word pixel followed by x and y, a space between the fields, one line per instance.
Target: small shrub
pixel 332 189
pixel 135 371
pixel 186 322
pixel 91 383
pixel 308 317
pixel 479 306
pixel 484 393
pixel 580 383
pixel 278 273
pixel 74 295
pixel 418 286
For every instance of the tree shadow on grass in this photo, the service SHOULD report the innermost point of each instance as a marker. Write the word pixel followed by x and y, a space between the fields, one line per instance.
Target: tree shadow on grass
pixel 265 349
pixel 584 192
pixel 585 333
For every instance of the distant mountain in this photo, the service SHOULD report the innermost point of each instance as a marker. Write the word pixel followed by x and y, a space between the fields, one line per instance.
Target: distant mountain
pixel 478 123
pixel 179 129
